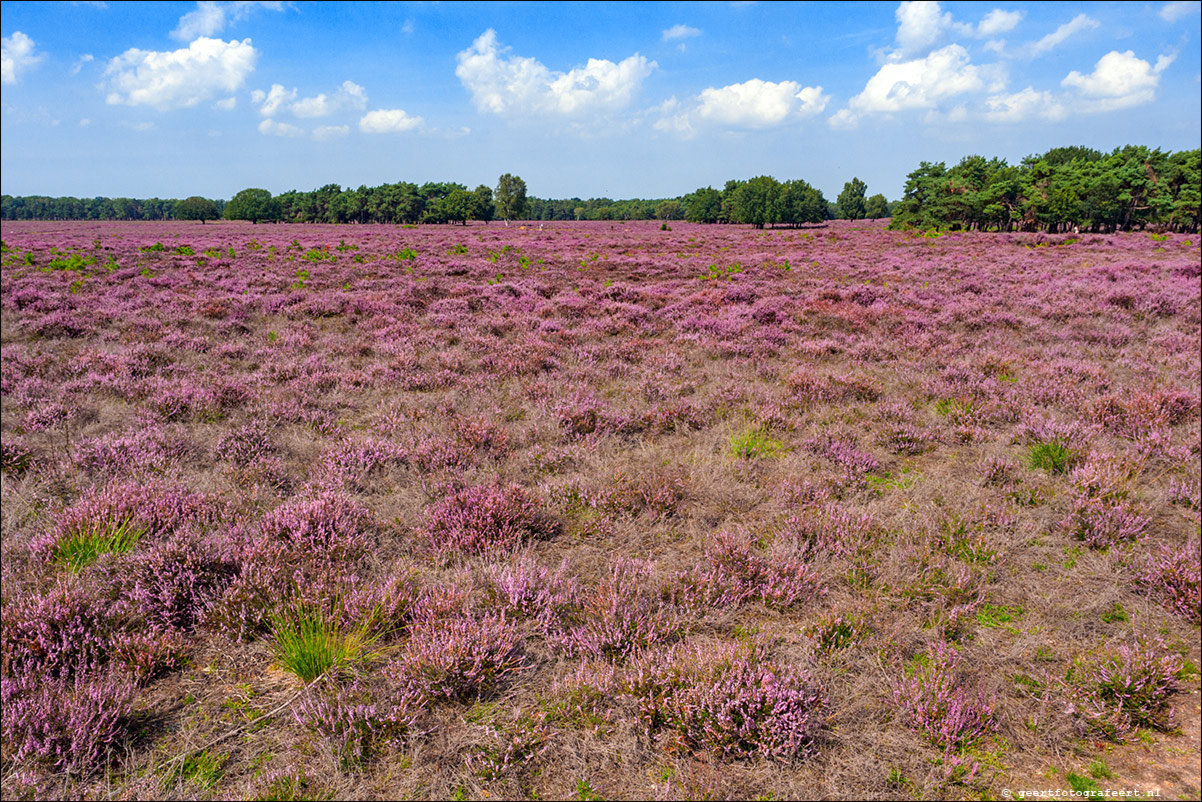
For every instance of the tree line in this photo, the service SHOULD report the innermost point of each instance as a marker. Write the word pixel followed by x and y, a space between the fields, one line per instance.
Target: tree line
pixel 759 202
pixel 1066 189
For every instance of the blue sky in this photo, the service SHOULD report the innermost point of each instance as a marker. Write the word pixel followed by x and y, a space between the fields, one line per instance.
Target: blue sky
pixel 588 100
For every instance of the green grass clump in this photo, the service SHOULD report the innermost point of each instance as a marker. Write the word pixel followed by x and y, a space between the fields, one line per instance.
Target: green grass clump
pixel 1084 787
pixel 754 443
pixel 81 548
pixel 309 643
pixel 1053 457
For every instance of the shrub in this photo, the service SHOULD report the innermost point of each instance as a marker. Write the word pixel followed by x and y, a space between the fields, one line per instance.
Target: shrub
pixel 620 615
pixel 837 632
pixel 1114 694
pixel 70 725
pixel 735 571
pixel 173 585
pixel 329 523
pixel 61 634
pixel 1174 577
pixel 1103 522
pixel 459 658
pixel 353 723
pixel 485 519
pixel 938 703
pixel 524 588
pixel 731 700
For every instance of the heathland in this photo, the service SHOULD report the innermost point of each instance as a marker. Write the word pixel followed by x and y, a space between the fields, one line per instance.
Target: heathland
pixel 597 510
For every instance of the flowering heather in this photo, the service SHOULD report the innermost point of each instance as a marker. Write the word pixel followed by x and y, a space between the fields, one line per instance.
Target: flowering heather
pixel 937 701
pixel 73 725
pixel 512 470
pixel 621 615
pixel 1116 693
pixel 1174 578
pixel 731 700
pixel 485 519
pixel 735 570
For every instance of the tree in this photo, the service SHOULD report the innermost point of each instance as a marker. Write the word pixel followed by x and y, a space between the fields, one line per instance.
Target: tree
pixel 459 206
pixel 801 203
pixel 254 205
pixel 876 207
pixel 851 200
pixel 757 201
pixel 511 197
pixel 485 208
pixel 703 206
pixel 196 208
pixel 668 210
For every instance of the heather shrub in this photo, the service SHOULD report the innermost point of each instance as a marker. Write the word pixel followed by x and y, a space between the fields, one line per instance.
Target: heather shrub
pixel 620 615
pixel 1104 522
pixel 1114 694
pixel 485 519
pixel 328 523
pixel 731 701
pixel 15 456
pixel 459 658
pixel 61 633
pixel 246 443
pixel 937 700
pixel 1173 576
pixel 524 588
pixel 172 585
pixel 735 570
pixel 824 529
pixel 846 453
pixel 521 741
pixel 353 722
pixel 70 725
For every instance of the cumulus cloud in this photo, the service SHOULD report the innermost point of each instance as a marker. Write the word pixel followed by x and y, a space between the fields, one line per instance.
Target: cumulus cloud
pixel 388 121
pixel 1020 106
pixel 179 78
pixel 272 101
pixel 16 56
pixel 923 24
pixel 1172 12
pixel 349 96
pixel 680 31
pixel 1119 81
pixel 921 83
pixel 517 85
pixel 227 104
pixel 753 104
pixel 273 128
pixel 209 18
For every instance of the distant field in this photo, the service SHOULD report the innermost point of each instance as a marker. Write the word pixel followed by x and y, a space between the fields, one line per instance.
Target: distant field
pixel 598 511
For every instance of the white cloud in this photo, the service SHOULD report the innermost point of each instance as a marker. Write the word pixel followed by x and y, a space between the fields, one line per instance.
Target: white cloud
pixel 272 101
pixel 84 122
pixel 1020 106
pixel 680 31
pixel 388 121
pixel 273 128
pixel 752 104
pixel 1079 23
pixel 324 133
pixel 1172 12
pixel 921 83
pixel 143 126
pixel 843 120
pixel 517 85
pixel 16 56
pixel 1119 81
pixel 228 104
pixel 757 104
pixel 179 78
pixel 209 18
pixel 349 96
pixel 998 21
pixel 82 60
